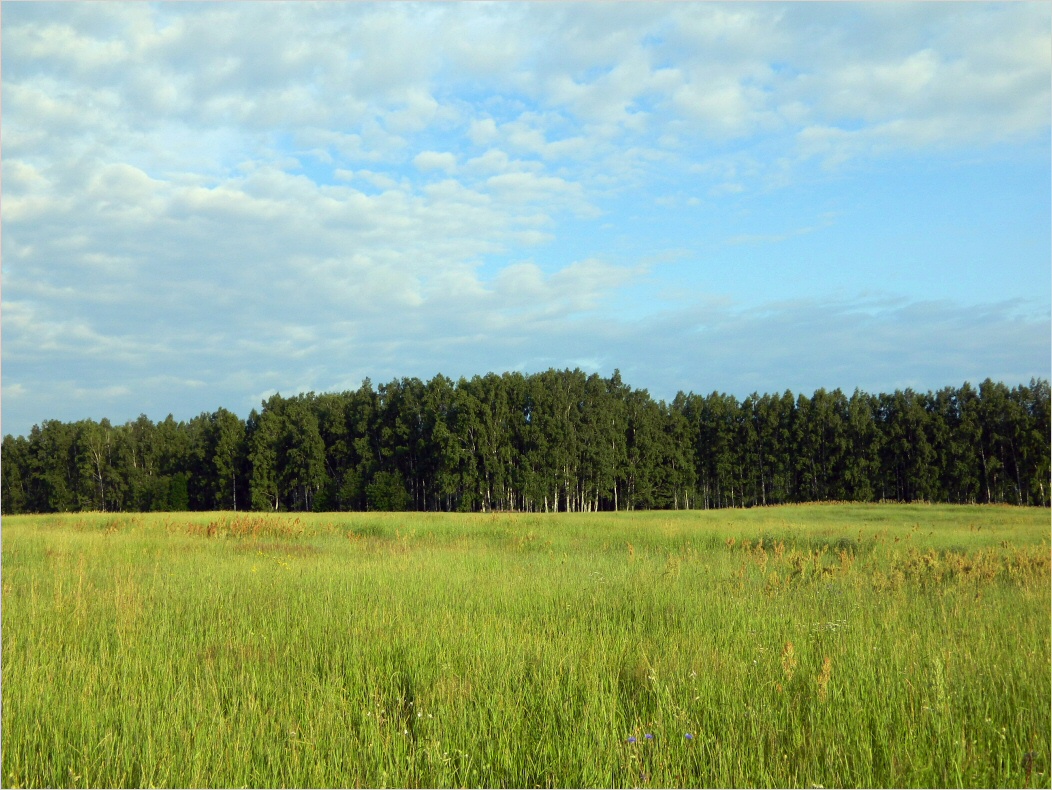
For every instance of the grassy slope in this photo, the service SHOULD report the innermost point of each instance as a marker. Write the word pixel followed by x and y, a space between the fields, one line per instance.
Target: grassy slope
pixel 414 649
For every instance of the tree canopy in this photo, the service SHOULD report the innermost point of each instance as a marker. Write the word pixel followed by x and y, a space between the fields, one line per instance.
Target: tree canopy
pixel 559 440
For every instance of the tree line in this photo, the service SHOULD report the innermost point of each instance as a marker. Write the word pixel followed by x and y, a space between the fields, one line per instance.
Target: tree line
pixel 551 441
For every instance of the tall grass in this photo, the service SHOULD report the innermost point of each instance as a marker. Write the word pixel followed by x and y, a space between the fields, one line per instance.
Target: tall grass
pixel 798 646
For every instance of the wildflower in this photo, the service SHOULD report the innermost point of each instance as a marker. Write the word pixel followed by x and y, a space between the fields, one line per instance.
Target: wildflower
pixel 689 736
pixel 630 739
pixel 649 737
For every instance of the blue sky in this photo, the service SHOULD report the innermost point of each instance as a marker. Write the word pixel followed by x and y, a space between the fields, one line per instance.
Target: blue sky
pixel 203 204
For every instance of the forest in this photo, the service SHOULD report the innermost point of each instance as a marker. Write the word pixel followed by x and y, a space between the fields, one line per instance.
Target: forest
pixel 558 440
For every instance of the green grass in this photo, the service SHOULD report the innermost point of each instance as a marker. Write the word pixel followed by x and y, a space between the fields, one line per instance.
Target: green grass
pixel 526 650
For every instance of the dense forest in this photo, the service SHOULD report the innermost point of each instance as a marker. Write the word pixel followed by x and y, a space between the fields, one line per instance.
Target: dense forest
pixel 551 441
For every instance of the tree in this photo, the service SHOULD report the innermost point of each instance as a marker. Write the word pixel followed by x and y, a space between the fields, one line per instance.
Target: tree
pixel 956 443
pixel 443 456
pixel 141 462
pixel 1035 401
pixel 264 438
pixel 14 493
pixel 99 487
pixel 996 449
pixel 227 453
pixel 555 440
pixel 647 451
pixel 331 412
pixel 861 460
pixel 387 492
pixel 907 457
pixel 286 453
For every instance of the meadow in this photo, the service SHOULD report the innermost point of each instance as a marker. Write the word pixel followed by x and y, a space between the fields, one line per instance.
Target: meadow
pixel 797 646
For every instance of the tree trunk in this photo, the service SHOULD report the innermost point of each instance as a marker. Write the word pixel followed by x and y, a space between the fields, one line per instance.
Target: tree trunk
pixel 986 476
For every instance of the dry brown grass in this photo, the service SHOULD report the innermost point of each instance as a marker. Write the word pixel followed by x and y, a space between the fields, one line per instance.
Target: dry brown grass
pixel 249 526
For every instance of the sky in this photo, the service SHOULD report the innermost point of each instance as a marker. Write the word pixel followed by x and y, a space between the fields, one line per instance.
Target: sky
pixel 205 204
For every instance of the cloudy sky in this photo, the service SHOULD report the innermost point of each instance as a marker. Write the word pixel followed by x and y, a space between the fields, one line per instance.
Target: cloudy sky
pixel 203 204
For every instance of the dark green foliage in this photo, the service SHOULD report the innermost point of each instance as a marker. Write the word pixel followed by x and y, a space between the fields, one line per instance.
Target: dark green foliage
pixel 551 441
pixel 387 492
pixel 179 493
pixel 13 488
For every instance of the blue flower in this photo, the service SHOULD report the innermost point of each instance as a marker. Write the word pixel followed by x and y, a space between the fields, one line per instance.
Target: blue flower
pixel 630 739
pixel 689 736
pixel 649 737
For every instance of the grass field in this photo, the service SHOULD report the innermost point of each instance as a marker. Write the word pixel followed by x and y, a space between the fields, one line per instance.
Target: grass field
pixel 828 645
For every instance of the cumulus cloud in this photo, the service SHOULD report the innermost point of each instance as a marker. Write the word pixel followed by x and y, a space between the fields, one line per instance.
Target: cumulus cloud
pixel 252 195
pixel 435 160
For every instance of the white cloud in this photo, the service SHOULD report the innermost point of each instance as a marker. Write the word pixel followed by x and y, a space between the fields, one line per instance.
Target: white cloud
pixel 427 161
pixel 526 188
pixel 482 131
pixel 340 182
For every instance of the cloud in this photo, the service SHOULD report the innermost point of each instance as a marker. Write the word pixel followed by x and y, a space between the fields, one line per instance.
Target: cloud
pixel 875 344
pixel 524 187
pixel 427 161
pixel 776 238
pixel 523 319
pixel 257 194
pixel 839 83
